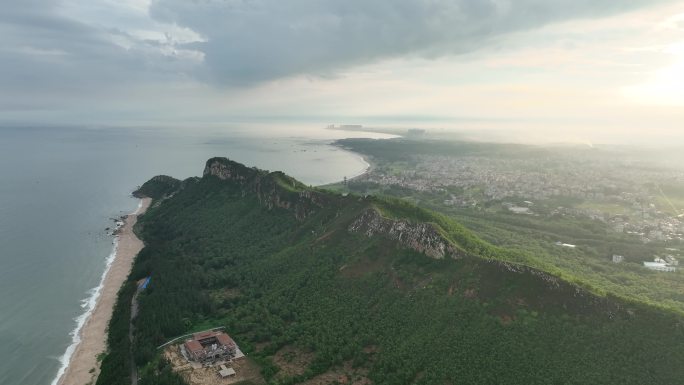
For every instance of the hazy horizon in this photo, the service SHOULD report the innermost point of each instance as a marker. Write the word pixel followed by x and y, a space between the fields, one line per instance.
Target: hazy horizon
pixel 571 71
pixel 310 128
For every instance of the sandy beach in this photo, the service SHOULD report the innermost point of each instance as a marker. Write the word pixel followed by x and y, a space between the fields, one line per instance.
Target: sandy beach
pixel 83 367
pixel 370 165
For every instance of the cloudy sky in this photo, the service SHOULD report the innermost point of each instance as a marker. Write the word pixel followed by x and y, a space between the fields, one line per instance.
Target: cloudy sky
pixel 572 69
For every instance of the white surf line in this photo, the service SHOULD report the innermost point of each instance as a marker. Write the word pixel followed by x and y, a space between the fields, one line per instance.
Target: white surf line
pixel 89 304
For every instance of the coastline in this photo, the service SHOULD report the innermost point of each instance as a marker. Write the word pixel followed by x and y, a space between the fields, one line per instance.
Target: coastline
pixel 370 165
pixel 81 365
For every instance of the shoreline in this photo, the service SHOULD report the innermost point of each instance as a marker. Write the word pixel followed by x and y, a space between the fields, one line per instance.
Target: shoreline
pixel 89 339
pixel 370 165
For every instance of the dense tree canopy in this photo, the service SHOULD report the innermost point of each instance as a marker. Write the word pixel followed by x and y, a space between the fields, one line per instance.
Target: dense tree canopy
pixel 219 256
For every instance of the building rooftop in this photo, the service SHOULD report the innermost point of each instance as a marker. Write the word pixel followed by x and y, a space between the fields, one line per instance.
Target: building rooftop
pixel 203 335
pixel 193 346
pixel 654 264
pixel 224 339
pixel 202 340
pixel 659 266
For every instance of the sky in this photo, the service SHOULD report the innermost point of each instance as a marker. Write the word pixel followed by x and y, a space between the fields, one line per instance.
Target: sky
pixel 554 70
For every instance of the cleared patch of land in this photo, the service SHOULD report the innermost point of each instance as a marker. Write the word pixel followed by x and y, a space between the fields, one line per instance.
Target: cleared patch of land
pixel 194 374
pixel 605 207
pixel 292 361
pixel 343 375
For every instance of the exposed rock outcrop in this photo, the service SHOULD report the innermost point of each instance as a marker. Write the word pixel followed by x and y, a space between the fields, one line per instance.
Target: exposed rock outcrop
pixel 421 237
pixel 425 238
pixel 226 169
pixel 273 190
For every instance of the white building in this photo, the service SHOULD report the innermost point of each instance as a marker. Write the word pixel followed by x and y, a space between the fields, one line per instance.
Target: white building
pixel 659 266
pixel 618 258
pixel 519 210
pixel 671 260
pixel 568 245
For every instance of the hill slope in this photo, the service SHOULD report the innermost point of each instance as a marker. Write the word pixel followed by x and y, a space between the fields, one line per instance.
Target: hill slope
pixel 320 286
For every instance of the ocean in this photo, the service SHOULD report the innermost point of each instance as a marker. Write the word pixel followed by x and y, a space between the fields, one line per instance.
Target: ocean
pixel 60 187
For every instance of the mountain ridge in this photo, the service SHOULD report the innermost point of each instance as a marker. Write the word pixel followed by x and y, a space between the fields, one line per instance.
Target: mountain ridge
pixel 368 287
pixel 428 237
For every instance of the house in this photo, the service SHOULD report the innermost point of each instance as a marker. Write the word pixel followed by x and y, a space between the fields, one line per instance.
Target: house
pixel 208 347
pixel 618 258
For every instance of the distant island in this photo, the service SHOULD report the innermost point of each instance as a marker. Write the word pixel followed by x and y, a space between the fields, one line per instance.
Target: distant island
pixel 410 132
pixel 322 287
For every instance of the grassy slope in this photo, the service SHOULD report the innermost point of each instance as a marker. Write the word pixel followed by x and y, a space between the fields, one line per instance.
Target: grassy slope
pixel 390 314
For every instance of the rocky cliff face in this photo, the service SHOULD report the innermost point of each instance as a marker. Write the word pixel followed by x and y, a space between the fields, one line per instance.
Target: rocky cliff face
pixel 421 237
pixel 301 203
pixel 226 169
pixel 277 190
pixel 426 239
pixel 274 190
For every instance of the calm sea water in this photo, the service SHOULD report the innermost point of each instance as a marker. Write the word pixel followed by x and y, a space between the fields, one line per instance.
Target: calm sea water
pixel 60 186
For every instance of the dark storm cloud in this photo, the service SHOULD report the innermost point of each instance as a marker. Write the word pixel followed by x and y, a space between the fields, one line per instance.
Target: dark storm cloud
pixel 44 49
pixel 250 41
pixel 48 56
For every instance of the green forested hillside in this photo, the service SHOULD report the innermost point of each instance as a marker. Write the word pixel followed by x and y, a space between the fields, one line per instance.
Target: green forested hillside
pixel 277 265
pixel 532 239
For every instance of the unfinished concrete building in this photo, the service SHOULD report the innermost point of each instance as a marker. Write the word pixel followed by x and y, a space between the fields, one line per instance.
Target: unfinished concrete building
pixel 210 347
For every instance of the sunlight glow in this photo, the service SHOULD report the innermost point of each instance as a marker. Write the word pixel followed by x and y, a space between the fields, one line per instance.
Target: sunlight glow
pixel 665 86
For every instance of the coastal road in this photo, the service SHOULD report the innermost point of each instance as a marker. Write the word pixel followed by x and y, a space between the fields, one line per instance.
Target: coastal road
pixel 142 285
pixel 134 313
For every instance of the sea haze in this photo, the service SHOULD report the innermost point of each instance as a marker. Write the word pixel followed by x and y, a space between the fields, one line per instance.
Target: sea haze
pixel 60 187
